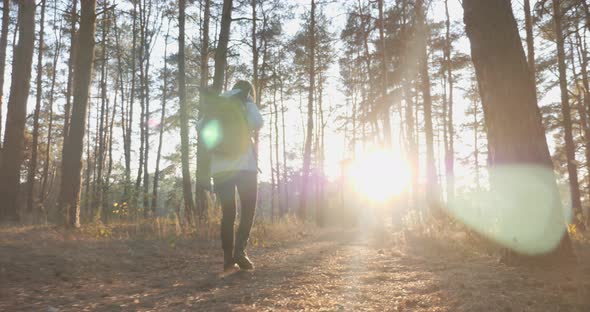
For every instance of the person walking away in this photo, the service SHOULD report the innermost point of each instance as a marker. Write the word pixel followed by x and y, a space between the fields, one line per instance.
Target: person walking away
pixel 230 121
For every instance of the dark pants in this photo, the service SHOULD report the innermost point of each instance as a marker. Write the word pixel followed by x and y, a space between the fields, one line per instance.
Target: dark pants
pixel 225 187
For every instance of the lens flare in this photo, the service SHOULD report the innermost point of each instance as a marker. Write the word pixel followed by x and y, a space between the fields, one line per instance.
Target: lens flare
pixel 380 175
pixel 211 133
pixel 523 210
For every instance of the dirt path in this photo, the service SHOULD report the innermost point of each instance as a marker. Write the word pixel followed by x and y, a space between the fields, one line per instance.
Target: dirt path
pixel 329 271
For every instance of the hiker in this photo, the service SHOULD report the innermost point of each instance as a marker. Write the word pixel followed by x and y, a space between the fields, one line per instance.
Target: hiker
pixel 227 134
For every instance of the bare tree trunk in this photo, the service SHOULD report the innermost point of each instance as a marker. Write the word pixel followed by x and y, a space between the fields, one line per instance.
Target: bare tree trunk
pixel 130 112
pixel 255 52
pixel 3 44
pixel 71 61
pixel 221 50
pixel 56 55
pixel 14 136
pixel 284 139
pixel 99 192
pixel 570 147
pixel 147 36
pixel 162 125
pixel 184 112
pixel 89 165
pixel 272 170
pixel 124 116
pixel 450 151
pixel 142 127
pixel 203 160
pixel 583 58
pixel 307 148
pixel 530 39
pixel 276 125
pixel 35 146
pixel 431 183
pixel 69 196
pixel 513 120
pixel 385 78
pixel 107 184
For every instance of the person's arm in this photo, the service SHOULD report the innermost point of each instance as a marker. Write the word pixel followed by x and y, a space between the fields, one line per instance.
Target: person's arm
pixel 255 121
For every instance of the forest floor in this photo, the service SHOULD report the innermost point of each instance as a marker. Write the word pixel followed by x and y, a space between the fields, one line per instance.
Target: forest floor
pixel 331 270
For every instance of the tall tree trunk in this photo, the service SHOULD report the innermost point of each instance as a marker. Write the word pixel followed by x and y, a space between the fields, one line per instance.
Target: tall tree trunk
pixel 3 44
pixel 309 133
pixel 69 196
pixel 276 125
pixel 127 195
pixel 162 125
pixel 56 55
pixel 409 76
pixel 89 166
pixel 530 39
pixel 570 148
pixel 71 61
pixel 141 123
pixel 257 84
pixel 184 112
pixel 221 50
pixel 35 146
pixel 106 204
pixel 102 127
pixel 146 42
pixel 284 139
pixel 513 120
pixel 431 179
pixel 203 160
pixel 14 136
pixel 450 151
pixel 271 161
pixel 255 52
pixel 583 58
pixel 384 78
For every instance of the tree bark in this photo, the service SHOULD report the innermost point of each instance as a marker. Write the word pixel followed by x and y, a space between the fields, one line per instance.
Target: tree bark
pixel 530 39
pixel 583 58
pixel 35 145
pixel 384 78
pixel 14 136
pixel 450 151
pixel 131 105
pixel 302 212
pixel 3 45
pixel 221 50
pixel 284 139
pixel 71 61
pixel 69 196
pixel 162 125
pixel 276 148
pixel 99 191
pixel 56 56
pixel 203 160
pixel 431 179
pixel 570 148
pixel 184 112
pixel 513 120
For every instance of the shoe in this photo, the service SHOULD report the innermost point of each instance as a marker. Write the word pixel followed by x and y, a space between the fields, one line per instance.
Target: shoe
pixel 244 262
pixel 228 261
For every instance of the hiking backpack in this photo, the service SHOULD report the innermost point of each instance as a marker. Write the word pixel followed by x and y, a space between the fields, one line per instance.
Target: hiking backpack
pixel 225 126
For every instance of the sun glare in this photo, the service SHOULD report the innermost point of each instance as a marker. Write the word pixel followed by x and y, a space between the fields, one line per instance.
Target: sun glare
pixel 381 175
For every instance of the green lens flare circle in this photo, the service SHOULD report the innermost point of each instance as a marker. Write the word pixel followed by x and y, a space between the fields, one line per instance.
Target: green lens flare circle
pixel 211 134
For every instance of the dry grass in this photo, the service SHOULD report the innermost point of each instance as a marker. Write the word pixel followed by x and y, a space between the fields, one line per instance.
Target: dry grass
pixel 157 266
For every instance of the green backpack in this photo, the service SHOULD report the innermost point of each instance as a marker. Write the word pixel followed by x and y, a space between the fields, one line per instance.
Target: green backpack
pixel 225 126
